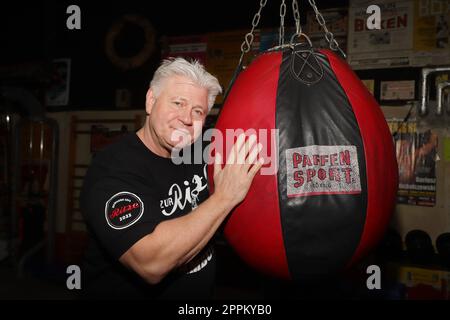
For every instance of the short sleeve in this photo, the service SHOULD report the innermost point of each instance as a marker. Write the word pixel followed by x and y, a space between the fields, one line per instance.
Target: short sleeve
pixel 119 213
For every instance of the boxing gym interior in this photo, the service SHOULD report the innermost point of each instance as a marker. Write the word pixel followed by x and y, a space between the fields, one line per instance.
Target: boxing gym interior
pixel 362 84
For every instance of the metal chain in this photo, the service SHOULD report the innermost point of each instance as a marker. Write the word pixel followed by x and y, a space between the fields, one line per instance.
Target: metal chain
pixel 334 45
pixel 296 12
pixel 281 30
pixel 248 40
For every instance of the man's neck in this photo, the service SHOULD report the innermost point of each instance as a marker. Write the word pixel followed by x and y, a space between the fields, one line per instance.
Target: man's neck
pixel 149 139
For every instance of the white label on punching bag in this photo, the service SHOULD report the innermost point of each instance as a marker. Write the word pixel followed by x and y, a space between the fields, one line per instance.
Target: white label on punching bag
pixel 315 170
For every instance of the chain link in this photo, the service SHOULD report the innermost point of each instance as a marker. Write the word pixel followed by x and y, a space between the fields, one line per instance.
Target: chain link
pixel 247 43
pixel 249 37
pixel 334 45
pixel 282 15
pixel 296 12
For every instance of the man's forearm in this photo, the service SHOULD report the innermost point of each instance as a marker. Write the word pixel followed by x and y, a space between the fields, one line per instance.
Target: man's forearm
pixel 210 205
pixel 184 237
pixel 176 241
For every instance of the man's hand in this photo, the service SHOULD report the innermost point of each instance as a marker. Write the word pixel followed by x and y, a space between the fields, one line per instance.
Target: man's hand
pixel 232 182
pixel 176 241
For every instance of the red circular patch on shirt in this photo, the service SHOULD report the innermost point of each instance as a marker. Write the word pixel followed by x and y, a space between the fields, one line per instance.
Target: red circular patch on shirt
pixel 123 209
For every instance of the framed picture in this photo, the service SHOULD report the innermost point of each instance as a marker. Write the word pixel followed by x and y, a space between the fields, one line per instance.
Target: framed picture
pixel 58 91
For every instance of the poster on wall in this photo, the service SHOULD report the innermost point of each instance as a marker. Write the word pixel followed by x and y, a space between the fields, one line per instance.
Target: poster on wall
pixel 389 46
pixel 413 33
pixel 270 37
pixel 189 47
pixel 336 21
pixel 224 51
pixel 416 157
pixel 58 91
pixel 431 33
pixel 397 90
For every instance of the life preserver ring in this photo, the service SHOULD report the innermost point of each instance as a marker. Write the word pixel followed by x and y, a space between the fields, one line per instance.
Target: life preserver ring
pixel 137 60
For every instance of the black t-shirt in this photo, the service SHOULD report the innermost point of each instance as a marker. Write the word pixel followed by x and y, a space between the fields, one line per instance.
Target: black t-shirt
pixel 127 192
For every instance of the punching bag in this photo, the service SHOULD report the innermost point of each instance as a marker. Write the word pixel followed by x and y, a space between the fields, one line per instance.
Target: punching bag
pixel 330 198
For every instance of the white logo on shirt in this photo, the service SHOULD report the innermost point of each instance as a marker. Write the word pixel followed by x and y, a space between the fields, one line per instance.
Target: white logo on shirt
pixel 178 199
pixel 204 261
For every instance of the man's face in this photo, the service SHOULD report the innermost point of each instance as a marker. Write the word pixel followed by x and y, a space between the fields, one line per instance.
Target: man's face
pixel 180 106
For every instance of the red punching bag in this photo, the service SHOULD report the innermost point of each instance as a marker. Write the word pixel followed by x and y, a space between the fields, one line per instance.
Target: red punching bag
pixel 333 192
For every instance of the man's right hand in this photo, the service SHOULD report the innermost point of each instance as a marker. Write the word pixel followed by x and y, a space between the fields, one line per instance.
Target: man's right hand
pixel 232 182
pixel 175 242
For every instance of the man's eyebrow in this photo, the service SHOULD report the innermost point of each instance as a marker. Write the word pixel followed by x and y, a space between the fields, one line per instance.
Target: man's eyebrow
pixel 179 98
pixel 185 100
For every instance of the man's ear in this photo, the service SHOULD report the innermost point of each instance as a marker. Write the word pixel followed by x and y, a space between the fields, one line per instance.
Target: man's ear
pixel 149 101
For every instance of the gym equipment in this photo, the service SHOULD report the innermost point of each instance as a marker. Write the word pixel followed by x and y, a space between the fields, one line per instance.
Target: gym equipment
pixel 327 195
pixel 443 248
pixel 33 181
pixel 419 247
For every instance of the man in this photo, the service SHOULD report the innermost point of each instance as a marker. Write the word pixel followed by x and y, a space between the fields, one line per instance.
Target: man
pixel 152 220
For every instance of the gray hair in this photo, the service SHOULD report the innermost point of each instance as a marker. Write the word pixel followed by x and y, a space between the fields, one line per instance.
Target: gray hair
pixel 193 70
